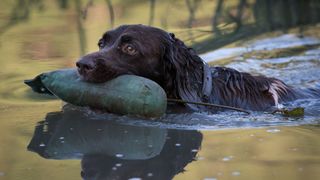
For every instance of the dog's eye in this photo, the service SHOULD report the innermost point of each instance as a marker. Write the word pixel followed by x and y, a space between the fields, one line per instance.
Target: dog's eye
pixel 129 49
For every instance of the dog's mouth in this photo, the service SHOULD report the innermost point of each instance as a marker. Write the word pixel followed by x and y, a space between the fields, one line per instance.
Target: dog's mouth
pixel 98 75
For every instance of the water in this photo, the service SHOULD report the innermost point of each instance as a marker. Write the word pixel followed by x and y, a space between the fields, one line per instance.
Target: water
pixel 43 139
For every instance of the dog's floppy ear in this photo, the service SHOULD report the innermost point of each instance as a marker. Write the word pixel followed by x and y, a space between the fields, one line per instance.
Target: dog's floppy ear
pixel 183 71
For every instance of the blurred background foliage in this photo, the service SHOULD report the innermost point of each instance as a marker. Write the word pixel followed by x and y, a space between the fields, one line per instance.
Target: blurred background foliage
pixel 206 24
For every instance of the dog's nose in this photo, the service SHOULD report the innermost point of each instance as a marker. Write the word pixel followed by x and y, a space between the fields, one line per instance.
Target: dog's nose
pixel 84 66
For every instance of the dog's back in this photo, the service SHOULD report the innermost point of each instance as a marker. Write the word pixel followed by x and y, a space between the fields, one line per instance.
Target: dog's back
pixel 238 89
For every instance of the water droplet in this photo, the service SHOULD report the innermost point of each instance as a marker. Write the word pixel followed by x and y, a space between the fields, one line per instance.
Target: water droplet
pixel 114 168
pixel 71 129
pixel 62 142
pixel 149 174
pixel 210 179
pixel 235 173
pixel 99 129
pixel 61 137
pixel 42 145
pixel 119 155
pixel 150 145
pixel 45 128
pixel 78 154
pixel 294 149
pixel 273 130
pixel 228 158
pixel 135 178
pixel 178 145
pixel 280 106
pixel 118 164
pixel 200 158
pixel 194 150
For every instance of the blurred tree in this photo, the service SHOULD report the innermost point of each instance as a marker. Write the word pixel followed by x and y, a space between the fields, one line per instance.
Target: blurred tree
pixel 216 16
pixel 80 28
pixel 268 15
pixel 192 8
pixel 86 8
pixel 151 14
pixel 238 17
pixel 111 12
pixel 20 12
pixel 63 4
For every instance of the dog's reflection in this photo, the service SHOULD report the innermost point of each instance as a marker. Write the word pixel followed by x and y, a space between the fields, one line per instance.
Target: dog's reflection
pixel 110 150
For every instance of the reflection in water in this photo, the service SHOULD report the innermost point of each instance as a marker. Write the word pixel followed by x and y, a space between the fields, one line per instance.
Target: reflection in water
pixel 112 151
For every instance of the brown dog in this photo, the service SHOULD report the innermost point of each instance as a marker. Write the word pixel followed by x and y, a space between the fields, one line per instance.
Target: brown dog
pixel 156 54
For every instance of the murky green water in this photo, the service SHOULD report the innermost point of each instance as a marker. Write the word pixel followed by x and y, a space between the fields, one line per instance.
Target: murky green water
pixel 38 141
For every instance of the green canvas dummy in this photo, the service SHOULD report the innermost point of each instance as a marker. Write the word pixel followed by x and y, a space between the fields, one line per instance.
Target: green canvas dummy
pixel 124 95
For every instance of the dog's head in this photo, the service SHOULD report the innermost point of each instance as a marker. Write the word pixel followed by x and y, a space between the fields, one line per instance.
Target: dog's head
pixel 128 49
pixel 149 52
